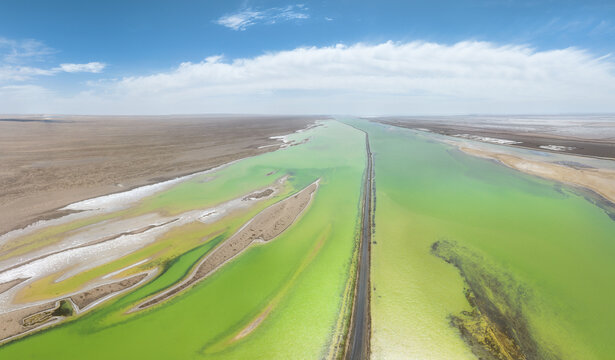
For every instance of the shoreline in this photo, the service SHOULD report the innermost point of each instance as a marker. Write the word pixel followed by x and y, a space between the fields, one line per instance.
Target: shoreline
pixel 541 138
pixel 591 175
pixel 599 181
pixel 109 203
pixel 42 306
pixel 93 157
pixel 65 210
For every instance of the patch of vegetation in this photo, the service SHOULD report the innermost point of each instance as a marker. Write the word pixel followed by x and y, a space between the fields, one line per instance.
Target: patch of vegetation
pixel 497 327
pixel 65 308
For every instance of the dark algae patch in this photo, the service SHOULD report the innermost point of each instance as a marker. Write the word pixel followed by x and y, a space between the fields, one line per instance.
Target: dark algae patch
pixel 600 201
pixel 64 309
pixel 258 195
pixel 496 327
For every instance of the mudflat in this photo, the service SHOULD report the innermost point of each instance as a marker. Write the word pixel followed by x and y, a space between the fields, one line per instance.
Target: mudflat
pixel 599 181
pixel 583 135
pixel 49 162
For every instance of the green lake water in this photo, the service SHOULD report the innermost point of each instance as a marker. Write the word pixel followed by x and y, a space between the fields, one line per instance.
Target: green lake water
pixel 550 249
pixel 301 276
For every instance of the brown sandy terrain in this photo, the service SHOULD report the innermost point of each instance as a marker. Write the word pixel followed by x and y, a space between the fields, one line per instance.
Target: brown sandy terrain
pixel 9 284
pixel 85 298
pixel 46 164
pixel 11 323
pixel 601 181
pixel 34 317
pixel 597 143
pixel 265 226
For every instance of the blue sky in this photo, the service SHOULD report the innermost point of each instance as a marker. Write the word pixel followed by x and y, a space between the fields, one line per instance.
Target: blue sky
pixel 104 43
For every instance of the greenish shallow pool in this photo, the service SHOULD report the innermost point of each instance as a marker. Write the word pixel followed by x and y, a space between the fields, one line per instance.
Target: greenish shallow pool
pixel 551 249
pixel 300 278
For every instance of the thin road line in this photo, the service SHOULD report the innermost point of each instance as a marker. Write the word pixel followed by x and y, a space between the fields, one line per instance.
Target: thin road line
pixel 359 336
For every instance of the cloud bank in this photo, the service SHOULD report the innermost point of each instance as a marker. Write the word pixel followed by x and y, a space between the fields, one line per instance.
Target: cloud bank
pixel 387 78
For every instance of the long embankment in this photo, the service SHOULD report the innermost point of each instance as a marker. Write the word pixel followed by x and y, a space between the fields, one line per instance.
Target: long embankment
pixel 359 335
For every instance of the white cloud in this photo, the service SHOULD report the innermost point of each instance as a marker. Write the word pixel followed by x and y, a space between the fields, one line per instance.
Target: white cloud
pixel 15 73
pixel 10 73
pixel 91 67
pixel 240 20
pixel 245 18
pixel 387 78
pixel 290 12
pixel 20 60
pixel 14 51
